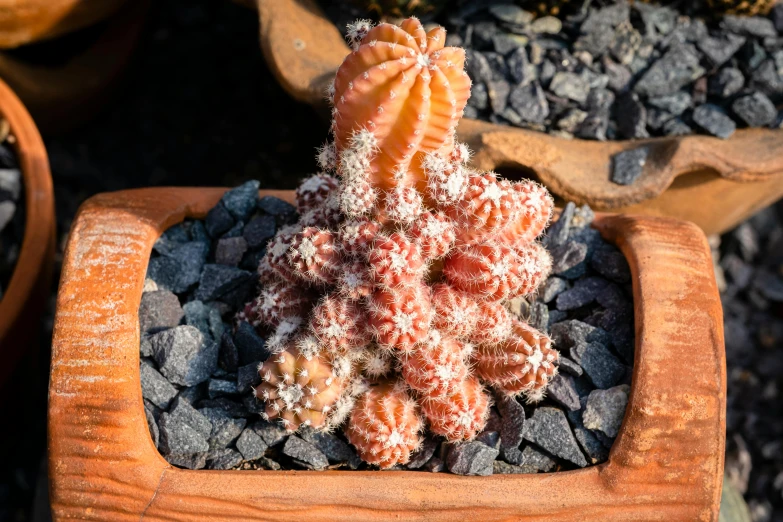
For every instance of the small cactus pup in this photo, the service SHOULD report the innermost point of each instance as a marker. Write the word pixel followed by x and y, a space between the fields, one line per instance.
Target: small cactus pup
pixel 385 308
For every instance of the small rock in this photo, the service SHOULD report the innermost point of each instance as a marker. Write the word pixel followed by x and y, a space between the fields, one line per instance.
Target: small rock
pixel 552 288
pixel 498 91
pixel 250 346
pixel 229 355
pixel 189 461
pixel 596 452
pixel 611 264
pixel 594 127
pixel 183 355
pixel 749 25
pixel 154 387
pixel 272 433
pixel 218 220
pixel 539 316
pixel 235 231
pixel 199 315
pixel 502 468
pixel 218 280
pixel 241 201
pixel 259 230
pixel 505 43
pixel 423 455
pixel 471 458
pixel 230 251
pixel 224 458
pixel 183 411
pixel 512 426
pixel 549 429
pixel 755 109
pixel 477 67
pixel 267 463
pixel 631 117
pixel 561 390
pixel 572 119
pixel 676 127
pixel 247 377
pixel 726 83
pixel 628 165
pixel 720 49
pixel 557 234
pixel 603 368
pixel 675 104
pixel 284 212
pixel 490 438
pixel 193 394
pixel 567 256
pixel 572 332
pixel 220 388
pixel 546 25
pixel 673 71
pixel 582 293
pixel 153 426
pixel 529 102
pixel 605 409
pixel 159 310
pixel 519 68
pixel 479 98
pixel 511 14
pixel 305 452
pixel 535 460
pixel 178 437
pixel 334 448
pixel 225 429
pixel 435 465
pixel 7 211
pixel 10 181
pixel 227 405
pixel 251 445
pixel 570 367
pixel 571 86
pixel 713 120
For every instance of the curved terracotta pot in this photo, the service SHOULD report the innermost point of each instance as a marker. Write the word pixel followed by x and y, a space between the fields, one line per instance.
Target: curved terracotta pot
pixel 666 464
pixel 714 183
pixel 27 21
pixel 63 96
pixel 28 290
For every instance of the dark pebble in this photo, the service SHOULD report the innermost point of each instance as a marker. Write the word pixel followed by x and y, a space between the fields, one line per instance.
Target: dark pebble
pixel 720 49
pixel 259 230
pixel 229 354
pixel 152 424
pixel 251 445
pixel 549 429
pixel 749 25
pixel 333 447
pixel 712 119
pixel 471 458
pixel 628 165
pixel 582 293
pixel 529 102
pixel 272 432
pixel 673 71
pixel 247 377
pixel 284 212
pixel 250 346
pixel 631 117
pixel 605 410
pixel 570 367
pixel 225 429
pixel 611 264
pixel 535 460
pixel 423 455
pixel 220 388
pixel 567 257
pixel 304 451
pixel 155 387
pixel 598 363
pixel 755 109
pixel 184 356
pixel 183 411
pixel 177 437
pixel 159 310
pixel 596 452
pixel 566 334
pixel 241 201
pixel 189 461
pixel 552 288
pixel 218 220
pixel 218 280
pixel 435 465
pixel 224 458
pixel 229 251
pixel 562 391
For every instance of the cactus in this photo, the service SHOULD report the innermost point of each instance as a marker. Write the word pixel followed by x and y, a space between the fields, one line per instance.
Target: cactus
pixel 395 280
pixel 384 426
pixel 297 390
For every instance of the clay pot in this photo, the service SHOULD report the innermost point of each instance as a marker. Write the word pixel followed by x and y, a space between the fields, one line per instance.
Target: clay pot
pixel 714 183
pixel 27 21
pixel 64 94
pixel 28 289
pixel 666 464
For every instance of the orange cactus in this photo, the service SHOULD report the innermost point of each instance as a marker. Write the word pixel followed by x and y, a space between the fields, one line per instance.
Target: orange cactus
pixel 536 206
pixel 437 367
pixel 400 318
pixel 461 415
pixel 405 87
pixel 524 363
pixel 384 426
pixel 297 390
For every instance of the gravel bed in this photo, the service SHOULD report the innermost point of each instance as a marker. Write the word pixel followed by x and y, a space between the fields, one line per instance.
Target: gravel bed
pixel 197 370
pixel 11 208
pixel 749 268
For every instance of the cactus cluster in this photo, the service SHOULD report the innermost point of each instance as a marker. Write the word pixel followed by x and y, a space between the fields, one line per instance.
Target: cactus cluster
pixel 385 306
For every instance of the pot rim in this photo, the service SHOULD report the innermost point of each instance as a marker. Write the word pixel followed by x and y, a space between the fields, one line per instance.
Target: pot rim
pixel 39 230
pixel 667 460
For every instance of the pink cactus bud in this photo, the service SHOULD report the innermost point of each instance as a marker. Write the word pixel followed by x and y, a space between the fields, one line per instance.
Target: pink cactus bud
pixel 400 318
pixel 460 415
pixel 285 331
pixel 492 272
pixel 339 325
pixel 278 301
pixel 395 261
pixel 356 31
pixel 403 205
pixel 354 280
pixel 313 191
pixel 313 256
pixel 487 208
pixel 377 363
pixel 454 312
pixel 447 181
pixel 435 368
pixel 357 235
pixel 461 154
pixel 357 197
pixel 277 252
pixel 298 391
pixel 525 362
pixel 325 215
pixel 535 209
pixel 494 324
pixel 434 233
pixel 384 426
pixel 266 274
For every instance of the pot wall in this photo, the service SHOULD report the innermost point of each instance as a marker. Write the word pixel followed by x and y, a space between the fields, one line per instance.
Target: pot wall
pixel 667 462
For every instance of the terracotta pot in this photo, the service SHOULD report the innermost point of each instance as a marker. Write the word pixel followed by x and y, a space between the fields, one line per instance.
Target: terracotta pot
pixel 667 462
pixel 714 183
pixel 28 290
pixel 64 95
pixel 27 21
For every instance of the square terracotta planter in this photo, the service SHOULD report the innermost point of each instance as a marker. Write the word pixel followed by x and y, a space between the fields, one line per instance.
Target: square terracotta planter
pixel 667 462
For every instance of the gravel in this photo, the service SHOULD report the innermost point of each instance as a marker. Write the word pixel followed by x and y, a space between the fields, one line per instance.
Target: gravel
pixel 605 409
pixel 12 214
pixel 201 365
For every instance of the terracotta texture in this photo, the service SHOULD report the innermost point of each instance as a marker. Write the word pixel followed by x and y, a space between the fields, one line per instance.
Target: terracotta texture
pixel 667 462
pixel 62 96
pixel 27 292
pixel 27 21
pixel 714 183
